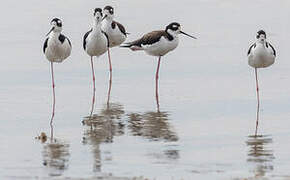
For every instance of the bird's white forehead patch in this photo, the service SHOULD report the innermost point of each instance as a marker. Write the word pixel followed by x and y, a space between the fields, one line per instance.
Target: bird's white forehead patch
pixel 261 36
pixel 59 21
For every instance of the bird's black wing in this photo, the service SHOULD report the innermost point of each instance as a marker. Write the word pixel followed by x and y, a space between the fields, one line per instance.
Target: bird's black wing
pixel 45 45
pixel 253 45
pixel 149 38
pixel 68 41
pixel 85 38
pixel 61 38
pixel 274 51
pixel 120 26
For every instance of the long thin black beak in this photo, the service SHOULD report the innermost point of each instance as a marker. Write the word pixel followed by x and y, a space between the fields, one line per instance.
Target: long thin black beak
pixel 104 17
pixel 187 35
pixel 50 31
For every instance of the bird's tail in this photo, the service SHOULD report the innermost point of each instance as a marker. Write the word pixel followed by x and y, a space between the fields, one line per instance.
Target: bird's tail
pixel 126 45
pixel 134 46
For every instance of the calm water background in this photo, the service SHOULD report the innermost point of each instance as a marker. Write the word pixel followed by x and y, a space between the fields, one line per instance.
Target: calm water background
pixel 207 94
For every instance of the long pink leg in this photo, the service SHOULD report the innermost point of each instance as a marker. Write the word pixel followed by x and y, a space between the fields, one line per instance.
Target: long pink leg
pixel 109 91
pixel 156 83
pixel 109 56
pixel 51 132
pixel 94 86
pixel 53 95
pixel 258 104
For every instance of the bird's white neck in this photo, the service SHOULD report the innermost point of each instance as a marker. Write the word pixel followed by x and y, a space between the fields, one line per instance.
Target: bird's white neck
pixel 261 44
pixel 172 33
pixel 54 34
pixel 97 26
pixel 108 19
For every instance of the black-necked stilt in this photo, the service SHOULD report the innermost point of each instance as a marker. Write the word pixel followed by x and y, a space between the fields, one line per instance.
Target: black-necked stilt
pixel 115 31
pixel 56 48
pixel 95 43
pixel 158 43
pixel 261 54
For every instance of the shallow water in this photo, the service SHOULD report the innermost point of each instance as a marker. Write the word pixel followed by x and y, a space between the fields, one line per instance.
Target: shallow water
pixel 205 125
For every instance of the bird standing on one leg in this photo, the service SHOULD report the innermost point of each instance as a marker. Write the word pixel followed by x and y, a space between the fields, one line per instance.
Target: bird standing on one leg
pixel 95 43
pixel 158 43
pixel 115 31
pixel 260 55
pixel 56 48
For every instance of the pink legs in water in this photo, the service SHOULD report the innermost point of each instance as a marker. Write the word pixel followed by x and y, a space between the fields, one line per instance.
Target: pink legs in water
pixel 109 91
pixel 258 105
pixel 94 86
pixel 156 83
pixel 53 103
pixel 51 133
pixel 110 82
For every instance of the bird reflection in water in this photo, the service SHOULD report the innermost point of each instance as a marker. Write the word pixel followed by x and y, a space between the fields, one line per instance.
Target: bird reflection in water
pixel 55 155
pixel 155 126
pixel 107 123
pixel 152 125
pixel 102 127
pixel 260 154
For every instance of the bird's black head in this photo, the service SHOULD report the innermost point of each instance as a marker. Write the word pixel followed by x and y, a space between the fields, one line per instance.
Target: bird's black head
pixel 259 33
pixel 174 29
pixel 173 26
pixel 56 26
pixel 98 14
pixel 99 10
pixel 56 22
pixel 110 9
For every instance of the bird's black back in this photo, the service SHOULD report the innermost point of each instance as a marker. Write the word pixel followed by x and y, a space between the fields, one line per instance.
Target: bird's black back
pixel 45 45
pixel 274 51
pixel 120 26
pixel 85 38
pixel 250 49
pixel 62 38
pixel 150 38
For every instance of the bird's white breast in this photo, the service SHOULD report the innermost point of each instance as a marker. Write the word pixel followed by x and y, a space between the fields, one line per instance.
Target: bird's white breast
pixel 57 51
pixel 161 47
pixel 96 43
pixel 261 56
pixel 116 37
